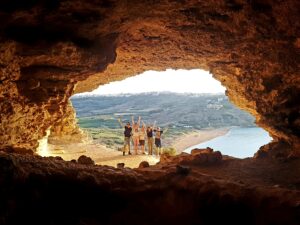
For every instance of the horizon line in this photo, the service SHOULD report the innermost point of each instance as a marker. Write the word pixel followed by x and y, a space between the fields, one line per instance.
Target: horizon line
pixel 89 94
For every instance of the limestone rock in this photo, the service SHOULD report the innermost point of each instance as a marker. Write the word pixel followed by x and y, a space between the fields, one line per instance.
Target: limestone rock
pixel 120 165
pixel 47 53
pixel 31 183
pixel 183 170
pixel 199 157
pixel 275 150
pixel 200 151
pixel 144 164
pixel 66 130
pixel 85 160
pixel 17 150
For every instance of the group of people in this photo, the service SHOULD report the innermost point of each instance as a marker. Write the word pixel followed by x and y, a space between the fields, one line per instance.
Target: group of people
pixel 138 135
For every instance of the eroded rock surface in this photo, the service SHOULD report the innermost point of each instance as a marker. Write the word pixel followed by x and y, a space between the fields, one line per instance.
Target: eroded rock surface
pixel 66 129
pixel 36 190
pixel 50 47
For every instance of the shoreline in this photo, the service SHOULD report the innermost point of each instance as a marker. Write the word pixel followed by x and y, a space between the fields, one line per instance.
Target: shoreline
pixel 197 137
pixel 107 156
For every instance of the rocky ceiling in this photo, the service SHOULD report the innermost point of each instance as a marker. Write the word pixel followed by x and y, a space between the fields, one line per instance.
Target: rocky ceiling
pixel 51 49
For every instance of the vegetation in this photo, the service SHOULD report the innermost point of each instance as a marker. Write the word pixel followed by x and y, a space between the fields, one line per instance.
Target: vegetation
pixel 170 151
pixel 180 113
pixel 106 136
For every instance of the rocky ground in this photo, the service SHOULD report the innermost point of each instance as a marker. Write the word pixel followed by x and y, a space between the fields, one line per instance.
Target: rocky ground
pixel 201 188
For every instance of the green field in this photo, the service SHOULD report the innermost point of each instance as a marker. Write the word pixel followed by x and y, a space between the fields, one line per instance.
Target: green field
pixel 180 113
pixel 107 131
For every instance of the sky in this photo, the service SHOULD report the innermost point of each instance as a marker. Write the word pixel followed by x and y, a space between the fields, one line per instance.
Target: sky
pixel 179 81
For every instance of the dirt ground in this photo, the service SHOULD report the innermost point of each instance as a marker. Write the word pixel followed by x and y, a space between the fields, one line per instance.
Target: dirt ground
pixel 111 157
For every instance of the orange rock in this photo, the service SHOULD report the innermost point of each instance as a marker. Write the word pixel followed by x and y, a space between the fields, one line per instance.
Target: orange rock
pixel 241 44
pixel 200 151
pixel 85 160
pixel 144 164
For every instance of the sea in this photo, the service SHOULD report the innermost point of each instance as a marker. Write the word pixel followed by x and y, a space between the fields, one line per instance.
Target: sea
pixel 239 142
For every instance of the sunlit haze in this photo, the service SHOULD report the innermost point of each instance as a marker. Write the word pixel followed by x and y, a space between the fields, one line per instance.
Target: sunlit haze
pixel 178 81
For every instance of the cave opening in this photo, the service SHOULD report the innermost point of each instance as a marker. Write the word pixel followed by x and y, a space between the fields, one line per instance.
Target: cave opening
pixel 190 104
pixel 50 47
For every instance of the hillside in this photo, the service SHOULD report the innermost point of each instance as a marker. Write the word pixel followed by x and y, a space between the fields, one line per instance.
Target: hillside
pixel 180 112
pixel 168 109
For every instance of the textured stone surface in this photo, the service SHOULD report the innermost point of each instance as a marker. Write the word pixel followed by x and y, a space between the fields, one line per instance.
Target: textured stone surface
pixel 85 160
pixel 144 164
pixel 50 47
pixel 66 130
pixel 36 190
pixel 34 93
pixel 198 157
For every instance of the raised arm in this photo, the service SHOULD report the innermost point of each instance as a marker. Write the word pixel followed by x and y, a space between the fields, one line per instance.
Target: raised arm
pixel 144 124
pixel 139 121
pixel 132 120
pixel 120 122
pixel 153 125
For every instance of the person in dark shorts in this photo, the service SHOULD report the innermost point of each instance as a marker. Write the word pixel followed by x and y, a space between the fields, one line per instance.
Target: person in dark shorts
pixel 127 136
pixel 142 134
pixel 157 140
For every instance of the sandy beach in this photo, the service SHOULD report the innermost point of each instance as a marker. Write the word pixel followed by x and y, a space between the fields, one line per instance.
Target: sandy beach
pixel 197 137
pixel 106 156
pixel 100 154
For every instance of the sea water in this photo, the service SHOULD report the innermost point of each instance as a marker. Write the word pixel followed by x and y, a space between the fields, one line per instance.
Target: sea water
pixel 239 142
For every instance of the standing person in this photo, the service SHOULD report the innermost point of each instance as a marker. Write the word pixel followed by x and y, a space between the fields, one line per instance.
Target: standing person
pixel 158 133
pixel 135 134
pixel 149 132
pixel 127 136
pixel 142 138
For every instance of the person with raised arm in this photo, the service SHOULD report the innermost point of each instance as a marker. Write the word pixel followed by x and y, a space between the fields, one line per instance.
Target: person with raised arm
pixel 127 135
pixel 135 133
pixel 158 133
pixel 142 137
pixel 149 132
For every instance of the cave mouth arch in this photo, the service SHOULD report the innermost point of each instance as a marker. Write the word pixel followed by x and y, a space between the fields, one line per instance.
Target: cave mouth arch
pixel 242 44
pixel 252 47
pixel 189 102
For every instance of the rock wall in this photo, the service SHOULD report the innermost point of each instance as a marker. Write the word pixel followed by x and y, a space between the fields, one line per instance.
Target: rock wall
pixel 66 130
pixel 50 47
pixel 42 56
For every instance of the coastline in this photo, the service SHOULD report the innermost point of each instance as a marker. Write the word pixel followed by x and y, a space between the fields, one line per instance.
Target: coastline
pixel 110 157
pixel 197 137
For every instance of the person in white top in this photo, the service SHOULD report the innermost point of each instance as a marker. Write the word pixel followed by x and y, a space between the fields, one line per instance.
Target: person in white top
pixel 135 134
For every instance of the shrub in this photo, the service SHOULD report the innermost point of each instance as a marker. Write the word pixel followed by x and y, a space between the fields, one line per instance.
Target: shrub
pixel 170 151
